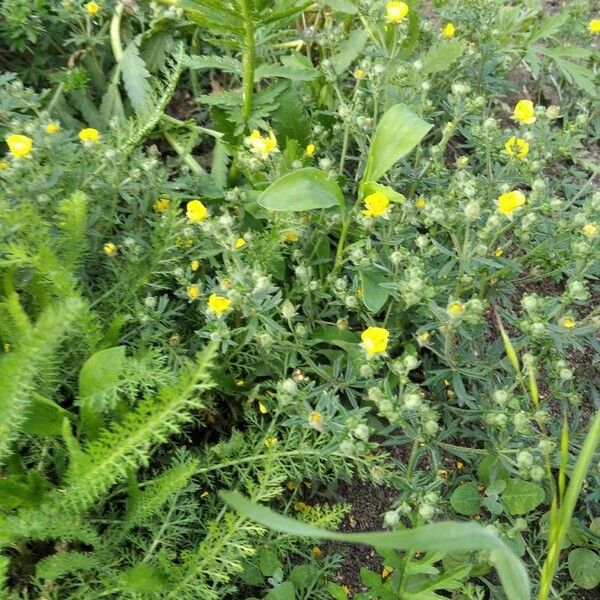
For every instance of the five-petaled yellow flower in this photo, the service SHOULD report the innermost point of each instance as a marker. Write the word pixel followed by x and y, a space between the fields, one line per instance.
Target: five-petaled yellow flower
pixel 193 292
pixel 196 211
pixel 110 249
pixel 420 203
pixel 509 202
pixel 396 11
pixel 568 322
pixel 516 147
pixel 498 252
pixel 19 145
pixel 315 420
pixel 218 304
pixel 375 339
pixel 359 73
pixel 449 30
pixel 53 127
pixel 89 135
pixel 263 145
pixel 590 230
pixel 240 243
pixel 194 265
pixel 161 205
pixel 455 309
pixel 310 150
pixel 594 26
pixel 524 112
pixel 93 8
pixel 376 205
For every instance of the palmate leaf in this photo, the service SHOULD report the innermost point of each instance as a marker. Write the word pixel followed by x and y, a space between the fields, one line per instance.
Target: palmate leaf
pixel 443 537
pixel 135 76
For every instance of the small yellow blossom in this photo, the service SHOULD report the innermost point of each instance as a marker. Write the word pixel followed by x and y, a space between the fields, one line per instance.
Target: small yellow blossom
pixel 310 150
pixel 375 339
pixel 524 112
pixel 359 73
pixel 420 203
pixel 509 202
pixel 449 30
pixel 240 243
pixel 262 408
pixel 194 265
pixel 376 205
pixel 568 322
pixel 218 304
pixel 6 347
pixel 455 309
pixel 460 465
pixel 240 382
pixel 423 338
pixel 19 145
pixel 396 11
pixel 516 147
pixel 263 145
pixel 315 420
pixel 387 571
pixel 89 135
pixel 594 26
pixel 316 551
pixel 93 8
pixel 161 205
pixel 3 165
pixel 193 292
pixel 290 236
pixel 590 230
pixel 110 249
pixel 498 252
pixel 346 590
pixel 53 127
pixel 204 495
pixel 196 211
pixel 301 507
pixel 270 442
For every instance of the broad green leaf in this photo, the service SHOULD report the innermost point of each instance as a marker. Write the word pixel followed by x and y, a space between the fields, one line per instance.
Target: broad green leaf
pixel 373 295
pixel 490 469
pixel 304 189
pixel 441 55
pixel 44 417
pixel 466 499
pixel 584 568
pixel 294 66
pixel 521 497
pixel 398 132
pixel 100 374
pixel 223 63
pixel 343 6
pixel 135 76
pixel 282 591
pixel 443 537
pixel 268 562
pixel 349 50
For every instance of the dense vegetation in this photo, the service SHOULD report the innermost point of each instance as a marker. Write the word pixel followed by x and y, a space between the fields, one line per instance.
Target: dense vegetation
pixel 272 270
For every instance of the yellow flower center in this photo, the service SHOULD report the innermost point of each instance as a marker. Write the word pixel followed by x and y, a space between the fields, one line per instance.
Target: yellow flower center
pixel 110 249
pixel 290 236
pixel 449 30
pixel 193 292
pixel 310 150
pixel 19 145
pixel 240 243
pixel 509 202
pixel 195 265
pixel 455 309
pixel 568 322
pixel 263 145
pixel 89 135
pixel 375 339
pixel 359 74
pixel 196 211
pixel 93 8
pixel 218 304
pixel 161 205
pixel 420 203
pixel 524 112
pixel 396 11
pixel 590 230
pixel 516 147
pixel 53 127
pixel 376 205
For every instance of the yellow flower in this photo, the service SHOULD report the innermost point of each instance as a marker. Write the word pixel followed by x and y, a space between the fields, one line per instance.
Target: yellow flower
pixel 161 205
pixel 590 230
pixel 263 145
pixel 19 145
pixel 375 339
pixel 315 420
pixel 89 135
pixel 240 243
pixel 524 112
pixel 310 150
pixel 376 204
pixel 594 26
pixel 516 147
pixel 194 265
pixel 290 236
pixel 262 408
pixel 193 292
pixel 53 127
pixel 396 11
pixel 110 249
pixel 270 442
pixel 93 8
pixel 6 347
pixel 498 252
pixel 509 202
pixel 218 304
pixel 346 590
pixel 423 338
pixel 387 571
pixel 568 322
pixel 455 309
pixel 449 30
pixel 316 551
pixel 420 203
pixel 359 73
pixel 196 211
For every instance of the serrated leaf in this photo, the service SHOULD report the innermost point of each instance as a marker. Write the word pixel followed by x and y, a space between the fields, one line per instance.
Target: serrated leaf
pixel 135 76
pixel 521 497
pixel 112 105
pixel 441 55
pixel 223 63
pixel 295 67
pixel 225 98
pixel 349 50
pixel 100 374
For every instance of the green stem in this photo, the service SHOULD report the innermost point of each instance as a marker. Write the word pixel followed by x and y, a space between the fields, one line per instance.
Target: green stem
pixel 115 33
pixel 185 156
pixel 248 59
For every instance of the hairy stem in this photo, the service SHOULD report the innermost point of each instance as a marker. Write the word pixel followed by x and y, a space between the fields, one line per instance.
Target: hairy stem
pixel 248 59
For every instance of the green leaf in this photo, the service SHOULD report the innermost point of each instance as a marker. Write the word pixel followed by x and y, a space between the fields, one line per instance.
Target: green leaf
pixel 584 568
pixel 398 132
pixel 135 76
pixel 283 591
pixel 349 50
pixel 223 63
pixel 521 497
pixel 443 537
pixel 441 55
pixel 100 374
pixel 268 562
pixel 374 296
pixel 303 189
pixel 343 6
pixel 294 66
pixel 111 106
pixel 465 499
pixel 44 417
